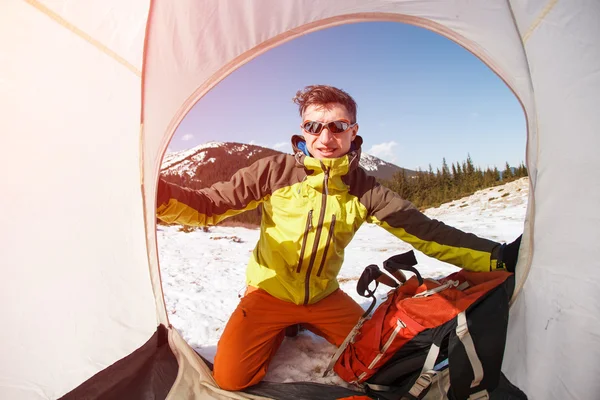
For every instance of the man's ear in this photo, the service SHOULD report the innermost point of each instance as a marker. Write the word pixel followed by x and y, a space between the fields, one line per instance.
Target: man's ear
pixel 355 132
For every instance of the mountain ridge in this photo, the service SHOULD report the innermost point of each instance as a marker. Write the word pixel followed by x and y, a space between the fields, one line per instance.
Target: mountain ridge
pixel 229 157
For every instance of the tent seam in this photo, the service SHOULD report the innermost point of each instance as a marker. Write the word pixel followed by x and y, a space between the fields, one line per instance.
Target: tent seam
pixel 538 20
pixel 83 35
pixel 530 215
pixel 162 314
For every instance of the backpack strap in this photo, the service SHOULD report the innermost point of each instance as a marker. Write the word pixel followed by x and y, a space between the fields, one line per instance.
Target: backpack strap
pixel 429 372
pixel 416 392
pixel 421 386
pixel 462 332
pixel 476 344
pixel 345 343
pixel 434 351
pixel 370 274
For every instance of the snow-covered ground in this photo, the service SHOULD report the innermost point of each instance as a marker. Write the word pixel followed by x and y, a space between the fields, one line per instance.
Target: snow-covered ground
pixel 203 273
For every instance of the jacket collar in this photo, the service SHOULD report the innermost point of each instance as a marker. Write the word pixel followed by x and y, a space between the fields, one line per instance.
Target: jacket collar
pixel 336 166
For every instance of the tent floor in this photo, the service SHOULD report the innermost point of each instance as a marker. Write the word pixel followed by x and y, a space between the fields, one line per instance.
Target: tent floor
pixel 300 391
pixel 150 371
pixel 316 391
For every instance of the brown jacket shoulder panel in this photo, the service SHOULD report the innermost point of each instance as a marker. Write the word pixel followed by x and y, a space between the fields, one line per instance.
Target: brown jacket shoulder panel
pixel 386 206
pixel 249 185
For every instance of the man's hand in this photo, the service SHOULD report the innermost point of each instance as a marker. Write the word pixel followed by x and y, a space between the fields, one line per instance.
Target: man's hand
pixel 511 254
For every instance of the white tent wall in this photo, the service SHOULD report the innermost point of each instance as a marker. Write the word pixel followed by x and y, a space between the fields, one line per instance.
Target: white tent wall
pixel 75 290
pixel 554 342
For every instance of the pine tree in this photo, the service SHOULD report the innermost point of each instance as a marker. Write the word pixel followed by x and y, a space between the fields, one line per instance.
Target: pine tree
pixel 507 174
pixel 496 174
pixel 470 166
pixel 522 170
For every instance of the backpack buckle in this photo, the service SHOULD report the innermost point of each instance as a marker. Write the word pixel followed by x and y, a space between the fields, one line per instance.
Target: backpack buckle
pixel 481 395
pixel 423 383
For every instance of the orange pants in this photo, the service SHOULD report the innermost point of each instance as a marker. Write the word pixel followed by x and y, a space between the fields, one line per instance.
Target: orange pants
pixel 257 328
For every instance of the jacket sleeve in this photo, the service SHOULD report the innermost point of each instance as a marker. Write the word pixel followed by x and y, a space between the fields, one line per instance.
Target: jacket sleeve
pixel 245 191
pixel 401 218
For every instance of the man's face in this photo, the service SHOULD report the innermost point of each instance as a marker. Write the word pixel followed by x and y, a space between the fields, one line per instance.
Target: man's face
pixel 327 144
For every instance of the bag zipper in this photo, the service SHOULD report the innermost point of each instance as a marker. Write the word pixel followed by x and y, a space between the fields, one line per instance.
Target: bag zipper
pixel 438 289
pixel 388 343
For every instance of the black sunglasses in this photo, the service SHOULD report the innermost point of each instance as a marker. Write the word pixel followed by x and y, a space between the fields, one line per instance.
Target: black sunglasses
pixel 335 127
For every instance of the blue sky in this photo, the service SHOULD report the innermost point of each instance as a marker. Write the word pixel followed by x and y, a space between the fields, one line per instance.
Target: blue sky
pixel 420 97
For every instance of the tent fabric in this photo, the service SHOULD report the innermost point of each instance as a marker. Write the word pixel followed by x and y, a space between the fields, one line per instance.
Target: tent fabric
pixel 75 292
pixel 91 93
pixel 148 372
pixel 194 380
pixel 553 334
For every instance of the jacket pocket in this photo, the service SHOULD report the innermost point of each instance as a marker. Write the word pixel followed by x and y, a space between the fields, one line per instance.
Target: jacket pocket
pixel 329 238
pixel 304 238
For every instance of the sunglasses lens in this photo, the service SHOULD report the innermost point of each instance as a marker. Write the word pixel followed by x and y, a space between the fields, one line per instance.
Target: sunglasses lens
pixel 313 127
pixel 338 126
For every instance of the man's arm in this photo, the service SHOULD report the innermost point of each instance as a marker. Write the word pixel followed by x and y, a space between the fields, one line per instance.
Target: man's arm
pixel 432 237
pixel 245 191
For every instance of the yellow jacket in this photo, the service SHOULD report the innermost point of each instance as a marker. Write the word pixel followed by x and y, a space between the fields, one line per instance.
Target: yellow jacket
pixel 311 210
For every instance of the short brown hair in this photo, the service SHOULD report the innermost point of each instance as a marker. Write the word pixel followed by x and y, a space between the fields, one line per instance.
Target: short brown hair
pixel 322 95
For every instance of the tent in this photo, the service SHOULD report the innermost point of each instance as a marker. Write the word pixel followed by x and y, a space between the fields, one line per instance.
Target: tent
pixel 91 93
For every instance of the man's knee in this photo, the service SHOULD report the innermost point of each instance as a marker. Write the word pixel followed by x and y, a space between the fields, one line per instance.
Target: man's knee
pixel 233 378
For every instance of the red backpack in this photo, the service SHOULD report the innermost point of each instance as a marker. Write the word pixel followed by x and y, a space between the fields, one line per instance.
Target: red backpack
pixel 455 326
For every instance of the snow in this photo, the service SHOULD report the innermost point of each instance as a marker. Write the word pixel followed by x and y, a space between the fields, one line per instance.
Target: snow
pixel 237 149
pixel 172 159
pixel 203 274
pixel 369 162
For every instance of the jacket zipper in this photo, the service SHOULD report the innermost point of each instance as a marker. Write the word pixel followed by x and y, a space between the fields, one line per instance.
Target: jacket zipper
pixel 303 249
pixel 317 236
pixel 329 236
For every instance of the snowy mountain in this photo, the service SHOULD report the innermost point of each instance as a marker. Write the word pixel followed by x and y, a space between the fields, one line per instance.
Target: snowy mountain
pixel 209 153
pixel 227 158
pixel 381 169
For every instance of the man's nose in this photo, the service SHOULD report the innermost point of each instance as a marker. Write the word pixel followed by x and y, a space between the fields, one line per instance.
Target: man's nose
pixel 326 136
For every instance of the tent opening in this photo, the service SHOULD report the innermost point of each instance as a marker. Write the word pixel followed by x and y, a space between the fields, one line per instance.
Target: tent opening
pixel 438 126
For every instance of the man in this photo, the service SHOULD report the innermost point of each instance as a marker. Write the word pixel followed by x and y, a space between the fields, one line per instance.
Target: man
pixel 313 204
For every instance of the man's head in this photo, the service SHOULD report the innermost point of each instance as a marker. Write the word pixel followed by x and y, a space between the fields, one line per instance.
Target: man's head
pixel 328 120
